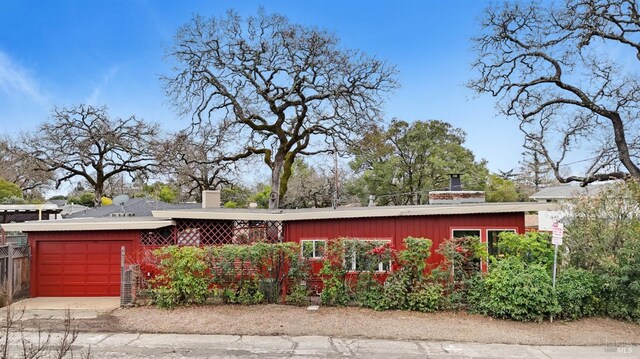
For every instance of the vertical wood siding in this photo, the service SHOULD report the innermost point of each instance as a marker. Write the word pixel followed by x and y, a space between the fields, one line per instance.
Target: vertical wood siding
pixel 437 228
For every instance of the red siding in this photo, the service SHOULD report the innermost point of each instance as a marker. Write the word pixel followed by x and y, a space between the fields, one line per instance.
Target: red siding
pixel 78 263
pixel 437 228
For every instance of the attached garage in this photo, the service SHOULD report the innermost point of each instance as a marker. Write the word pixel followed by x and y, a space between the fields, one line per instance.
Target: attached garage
pixel 78 268
pixel 81 258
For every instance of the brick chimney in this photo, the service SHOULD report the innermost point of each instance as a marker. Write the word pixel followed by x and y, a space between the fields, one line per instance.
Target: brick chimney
pixel 455 194
pixel 211 199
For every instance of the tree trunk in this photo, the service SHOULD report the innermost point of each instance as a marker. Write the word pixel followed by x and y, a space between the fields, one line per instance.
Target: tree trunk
pixel 276 172
pixel 99 190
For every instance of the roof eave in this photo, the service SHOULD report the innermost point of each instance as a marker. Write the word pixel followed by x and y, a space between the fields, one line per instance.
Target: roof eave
pixel 75 225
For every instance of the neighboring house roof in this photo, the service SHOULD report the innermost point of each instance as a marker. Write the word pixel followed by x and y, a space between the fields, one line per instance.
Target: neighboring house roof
pixel 27 212
pixel 136 207
pixel 361 212
pixel 28 207
pixel 89 224
pixel 570 190
pixel 71 208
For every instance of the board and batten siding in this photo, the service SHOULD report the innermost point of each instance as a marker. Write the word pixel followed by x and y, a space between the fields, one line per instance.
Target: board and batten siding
pixel 437 228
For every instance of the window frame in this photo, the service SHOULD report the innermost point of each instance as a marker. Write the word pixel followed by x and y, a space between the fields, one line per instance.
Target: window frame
pixel 313 240
pixel 512 230
pixel 354 264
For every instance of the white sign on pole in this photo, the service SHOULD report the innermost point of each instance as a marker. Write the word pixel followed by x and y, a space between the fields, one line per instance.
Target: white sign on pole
pixel 558 233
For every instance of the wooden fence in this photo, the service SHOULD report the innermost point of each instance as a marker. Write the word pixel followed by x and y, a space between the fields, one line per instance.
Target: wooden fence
pixel 14 270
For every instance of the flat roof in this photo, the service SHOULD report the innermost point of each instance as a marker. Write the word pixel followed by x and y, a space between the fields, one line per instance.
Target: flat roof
pixel 88 224
pixel 29 207
pixel 353 212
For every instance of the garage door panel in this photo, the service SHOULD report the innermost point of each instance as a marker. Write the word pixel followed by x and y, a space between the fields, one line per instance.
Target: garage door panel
pixel 51 258
pixel 98 268
pixel 50 268
pixel 79 268
pixel 51 248
pixel 73 268
pixel 75 247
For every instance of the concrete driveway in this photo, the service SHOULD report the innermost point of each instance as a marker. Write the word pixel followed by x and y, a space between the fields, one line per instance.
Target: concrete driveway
pixel 56 307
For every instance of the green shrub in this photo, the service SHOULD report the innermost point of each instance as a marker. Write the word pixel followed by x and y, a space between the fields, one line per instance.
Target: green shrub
pixel 182 277
pixel 622 283
pixel 462 258
pixel 531 247
pixel 368 291
pixel 413 258
pixel 427 298
pixel 334 290
pixel 247 293
pixel 396 291
pixel 240 268
pixel 514 290
pixel 299 296
pixel 579 293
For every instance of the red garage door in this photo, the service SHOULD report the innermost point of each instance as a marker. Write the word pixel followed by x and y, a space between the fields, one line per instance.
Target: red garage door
pixel 79 268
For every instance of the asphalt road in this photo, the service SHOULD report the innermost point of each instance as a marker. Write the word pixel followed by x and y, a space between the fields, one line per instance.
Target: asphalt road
pixel 120 345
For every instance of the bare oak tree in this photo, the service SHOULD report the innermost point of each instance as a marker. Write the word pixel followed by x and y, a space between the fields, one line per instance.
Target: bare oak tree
pixel 282 90
pixel 195 159
pixel 19 167
pixel 85 142
pixel 569 73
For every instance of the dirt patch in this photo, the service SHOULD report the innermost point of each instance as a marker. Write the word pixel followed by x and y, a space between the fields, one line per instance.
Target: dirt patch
pixel 356 322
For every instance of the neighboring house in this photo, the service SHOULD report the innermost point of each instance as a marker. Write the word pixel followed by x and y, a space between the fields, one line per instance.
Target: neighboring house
pixel 134 207
pixel 10 213
pixel 13 213
pixel 560 194
pixel 568 191
pixel 81 257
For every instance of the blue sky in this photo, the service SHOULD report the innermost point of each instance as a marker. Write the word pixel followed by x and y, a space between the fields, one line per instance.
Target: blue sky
pixel 111 53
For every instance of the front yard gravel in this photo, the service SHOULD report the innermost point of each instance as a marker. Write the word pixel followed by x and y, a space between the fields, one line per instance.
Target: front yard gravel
pixel 354 322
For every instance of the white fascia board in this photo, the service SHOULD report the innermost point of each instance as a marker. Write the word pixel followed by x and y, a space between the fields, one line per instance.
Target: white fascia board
pixel 365 212
pixel 74 225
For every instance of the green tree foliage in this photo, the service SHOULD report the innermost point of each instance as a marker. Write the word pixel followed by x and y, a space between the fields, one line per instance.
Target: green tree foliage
pixel 235 196
pixel 597 227
pixel 161 191
pixel 501 190
pixel 84 199
pixel 409 160
pixel 9 190
pixel 262 196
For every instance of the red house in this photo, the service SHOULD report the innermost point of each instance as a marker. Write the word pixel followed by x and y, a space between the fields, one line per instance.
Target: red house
pixel 82 257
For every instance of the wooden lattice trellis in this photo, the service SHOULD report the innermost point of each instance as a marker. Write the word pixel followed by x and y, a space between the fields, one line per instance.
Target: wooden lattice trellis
pixel 194 232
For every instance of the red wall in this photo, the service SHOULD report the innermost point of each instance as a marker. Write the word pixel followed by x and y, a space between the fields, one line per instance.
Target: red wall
pixel 437 228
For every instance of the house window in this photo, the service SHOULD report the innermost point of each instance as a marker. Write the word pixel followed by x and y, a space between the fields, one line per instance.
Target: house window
pixel 313 248
pixel 358 256
pixel 462 233
pixel 493 235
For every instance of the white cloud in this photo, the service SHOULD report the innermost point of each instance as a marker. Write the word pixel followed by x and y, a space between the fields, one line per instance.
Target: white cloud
pixel 16 81
pixel 97 90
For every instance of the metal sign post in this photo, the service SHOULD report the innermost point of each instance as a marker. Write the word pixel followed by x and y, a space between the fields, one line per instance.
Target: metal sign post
pixel 556 239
